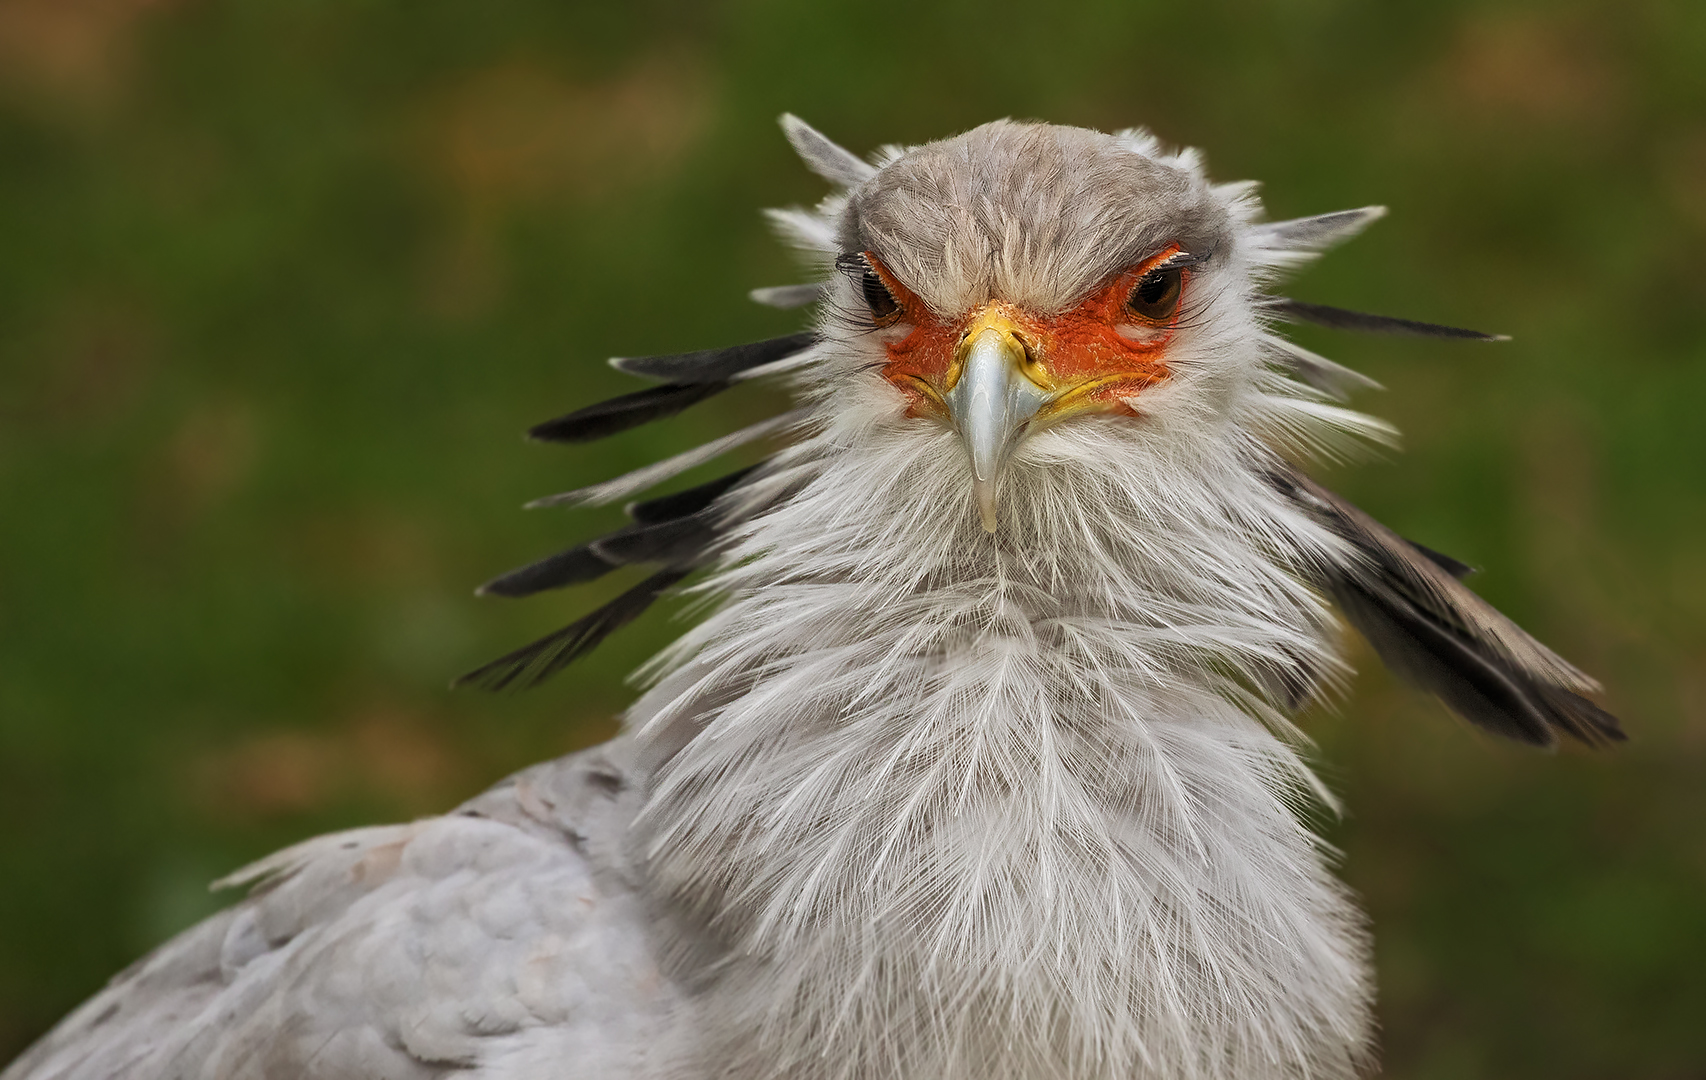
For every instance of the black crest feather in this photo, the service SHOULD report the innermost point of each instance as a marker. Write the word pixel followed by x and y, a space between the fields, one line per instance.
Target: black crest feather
pixel 684 541
pixel 532 664
pixel 1334 318
pixel 570 567
pixel 714 365
pixel 687 501
pixel 679 532
pixel 621 413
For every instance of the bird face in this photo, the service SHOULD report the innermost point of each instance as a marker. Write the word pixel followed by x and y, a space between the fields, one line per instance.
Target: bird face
pixel 998 372
pixel 1022 277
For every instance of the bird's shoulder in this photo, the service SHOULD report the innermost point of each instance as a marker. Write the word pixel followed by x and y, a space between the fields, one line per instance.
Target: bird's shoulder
pixel 504 938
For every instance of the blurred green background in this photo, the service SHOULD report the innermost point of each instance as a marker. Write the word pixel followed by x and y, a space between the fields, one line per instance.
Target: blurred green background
pixel 281 282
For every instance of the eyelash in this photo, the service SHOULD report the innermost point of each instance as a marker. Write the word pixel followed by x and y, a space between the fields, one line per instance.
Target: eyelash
pixel 881 301
pixel 1170 276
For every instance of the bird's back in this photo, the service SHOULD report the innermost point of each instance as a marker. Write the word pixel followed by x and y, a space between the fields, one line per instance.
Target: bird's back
pixel 503 939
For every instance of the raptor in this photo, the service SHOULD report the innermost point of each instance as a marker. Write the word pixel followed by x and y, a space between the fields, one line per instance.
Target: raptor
pixel 983 762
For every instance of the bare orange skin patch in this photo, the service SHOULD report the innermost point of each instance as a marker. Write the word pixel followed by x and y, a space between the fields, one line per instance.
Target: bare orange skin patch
pixel 1094 356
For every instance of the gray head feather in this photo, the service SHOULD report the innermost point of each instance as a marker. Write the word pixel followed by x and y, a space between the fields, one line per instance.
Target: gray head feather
pixel 788 296
pixel 1321 231
pixel 1031 213
pixel 823 157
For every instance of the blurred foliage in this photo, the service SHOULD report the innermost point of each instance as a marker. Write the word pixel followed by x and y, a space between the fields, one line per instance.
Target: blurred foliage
pixel 280 282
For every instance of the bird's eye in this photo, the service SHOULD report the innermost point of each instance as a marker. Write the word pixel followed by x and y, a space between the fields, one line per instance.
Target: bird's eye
pixel 1156 295
pixel 877 295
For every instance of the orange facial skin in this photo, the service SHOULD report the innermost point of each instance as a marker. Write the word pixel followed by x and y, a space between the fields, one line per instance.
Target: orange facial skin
pixel 1094 356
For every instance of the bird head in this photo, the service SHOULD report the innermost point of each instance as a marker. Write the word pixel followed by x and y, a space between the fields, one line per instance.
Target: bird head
pixel 1025 277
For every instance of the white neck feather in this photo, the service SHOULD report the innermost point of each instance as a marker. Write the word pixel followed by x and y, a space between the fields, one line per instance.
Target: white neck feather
pixel 930 802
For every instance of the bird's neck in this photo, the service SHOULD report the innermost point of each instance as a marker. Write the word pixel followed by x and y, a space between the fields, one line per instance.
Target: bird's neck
pixel 978 804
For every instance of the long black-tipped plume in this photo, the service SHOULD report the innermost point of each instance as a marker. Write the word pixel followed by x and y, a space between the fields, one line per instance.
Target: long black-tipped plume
pixel 1341 319
pixel 714 365
pixel 532 664
pixel 679 532
pixel 689 378
pixel 621 413
pixel 688 501
pixel 683 541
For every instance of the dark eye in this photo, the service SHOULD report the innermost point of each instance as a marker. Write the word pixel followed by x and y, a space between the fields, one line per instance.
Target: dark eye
pixel 1156 295
pixel 877 295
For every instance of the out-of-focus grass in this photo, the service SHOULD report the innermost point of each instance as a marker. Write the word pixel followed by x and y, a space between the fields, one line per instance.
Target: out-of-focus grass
pixel 281 282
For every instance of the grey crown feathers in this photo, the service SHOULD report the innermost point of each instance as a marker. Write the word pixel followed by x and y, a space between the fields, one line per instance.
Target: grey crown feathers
pixel 982 764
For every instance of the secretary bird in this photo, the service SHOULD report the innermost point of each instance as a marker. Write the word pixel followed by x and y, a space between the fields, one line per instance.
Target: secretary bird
pixel 982 765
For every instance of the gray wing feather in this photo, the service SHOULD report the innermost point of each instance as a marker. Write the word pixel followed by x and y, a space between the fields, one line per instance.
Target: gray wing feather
pixel 503 940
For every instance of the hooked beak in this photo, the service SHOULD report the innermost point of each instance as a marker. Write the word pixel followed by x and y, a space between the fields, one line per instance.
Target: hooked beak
pixel 995 389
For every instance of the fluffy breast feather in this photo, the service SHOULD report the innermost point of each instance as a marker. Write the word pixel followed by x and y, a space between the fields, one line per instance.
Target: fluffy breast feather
pixel 1016 805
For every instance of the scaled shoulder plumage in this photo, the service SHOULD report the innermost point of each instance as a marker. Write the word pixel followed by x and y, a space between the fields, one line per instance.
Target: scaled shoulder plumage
pixel 504 938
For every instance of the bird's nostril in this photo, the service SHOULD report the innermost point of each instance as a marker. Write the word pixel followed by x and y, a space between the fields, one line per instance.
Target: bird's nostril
pixel 1030 362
